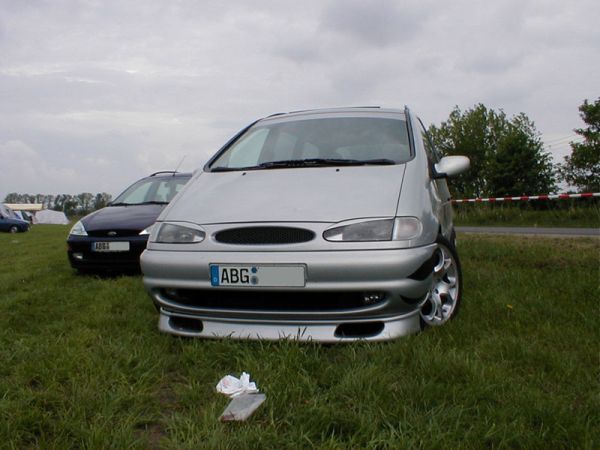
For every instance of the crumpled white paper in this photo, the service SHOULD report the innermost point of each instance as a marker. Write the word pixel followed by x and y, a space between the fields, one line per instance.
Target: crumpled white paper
pixel 232 386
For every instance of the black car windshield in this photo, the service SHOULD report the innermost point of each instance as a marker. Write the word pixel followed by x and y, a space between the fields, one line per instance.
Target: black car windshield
pixel 159 190
pixel 322 141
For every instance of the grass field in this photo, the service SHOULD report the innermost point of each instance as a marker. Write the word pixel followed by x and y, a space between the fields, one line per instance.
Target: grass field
pixel 584 213
pixel 82 364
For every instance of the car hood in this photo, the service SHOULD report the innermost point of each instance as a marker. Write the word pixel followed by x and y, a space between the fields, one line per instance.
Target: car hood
pixel 322 194
pixel 133 217
pixel 14 221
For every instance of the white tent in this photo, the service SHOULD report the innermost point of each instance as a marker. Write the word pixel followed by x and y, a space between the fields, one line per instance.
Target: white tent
pixel 49 216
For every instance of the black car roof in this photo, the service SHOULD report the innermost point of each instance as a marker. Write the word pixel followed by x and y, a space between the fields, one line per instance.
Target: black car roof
pixel 167 173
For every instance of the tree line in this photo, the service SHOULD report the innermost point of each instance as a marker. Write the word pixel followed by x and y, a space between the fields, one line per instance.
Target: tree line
pixel 79 204
pixel 508 157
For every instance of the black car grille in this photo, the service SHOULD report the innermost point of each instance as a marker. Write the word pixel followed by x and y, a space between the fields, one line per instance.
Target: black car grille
pixel 266 300
pixel 113 233
pixel 264 235
pixel 131 255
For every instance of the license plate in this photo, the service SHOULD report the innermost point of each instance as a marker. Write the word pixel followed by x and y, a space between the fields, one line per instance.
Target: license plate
pixel 257 275
pixel 110 246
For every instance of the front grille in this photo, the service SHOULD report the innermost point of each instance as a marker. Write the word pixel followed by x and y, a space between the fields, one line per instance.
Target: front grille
pixel 264 235
pixel 266 300
pixel 111 233
pixel 130 256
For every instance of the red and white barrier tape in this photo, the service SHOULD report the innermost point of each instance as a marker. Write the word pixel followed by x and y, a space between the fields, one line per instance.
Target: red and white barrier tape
pixel 527 198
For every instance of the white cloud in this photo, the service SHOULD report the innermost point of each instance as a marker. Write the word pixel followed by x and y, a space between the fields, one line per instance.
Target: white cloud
pixel 378 23
pixel 25 170
pixel 109 91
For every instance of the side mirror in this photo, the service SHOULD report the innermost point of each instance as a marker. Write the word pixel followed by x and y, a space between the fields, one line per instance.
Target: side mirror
pixel 450 166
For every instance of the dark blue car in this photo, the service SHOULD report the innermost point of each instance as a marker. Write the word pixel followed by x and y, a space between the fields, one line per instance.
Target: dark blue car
pixel 112 238
pixel 10 222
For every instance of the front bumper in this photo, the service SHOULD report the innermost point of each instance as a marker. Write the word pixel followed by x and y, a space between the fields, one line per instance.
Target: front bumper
pixel 389 272
pixel 81 256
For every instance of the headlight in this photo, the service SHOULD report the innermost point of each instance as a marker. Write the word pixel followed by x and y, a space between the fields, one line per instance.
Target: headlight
pixel 147 231
pixel 398 229
pixel 406 228
pixel 169 233
pixel 78 229
pixel 372 230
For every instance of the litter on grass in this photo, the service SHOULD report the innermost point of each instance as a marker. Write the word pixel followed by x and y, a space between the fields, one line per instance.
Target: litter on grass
pixel 244 395
pixel 242 407
pixel 232 386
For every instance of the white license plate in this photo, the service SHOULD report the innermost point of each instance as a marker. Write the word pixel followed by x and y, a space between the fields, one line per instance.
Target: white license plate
pixel 110 246
pixel 257 275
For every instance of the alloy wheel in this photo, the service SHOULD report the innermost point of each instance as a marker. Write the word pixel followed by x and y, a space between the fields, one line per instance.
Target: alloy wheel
pixel 442 300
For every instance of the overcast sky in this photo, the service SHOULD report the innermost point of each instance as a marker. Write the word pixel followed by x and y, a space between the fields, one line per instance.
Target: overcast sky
pixel 96 94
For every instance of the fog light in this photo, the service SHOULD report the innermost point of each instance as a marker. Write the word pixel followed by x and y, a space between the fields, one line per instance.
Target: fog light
pixel 370 298
pixel 78 256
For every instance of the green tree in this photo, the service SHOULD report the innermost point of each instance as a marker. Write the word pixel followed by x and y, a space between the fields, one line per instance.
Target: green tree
pixel 582 168
pixel 85 202
pixel 67 203
pixel 466 134
pixel 101 200
pixel 13 197
pixel 70 205
pixel 507 156
pixel 519 165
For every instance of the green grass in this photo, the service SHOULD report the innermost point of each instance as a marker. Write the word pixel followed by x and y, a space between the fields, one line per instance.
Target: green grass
pixel 571 215
pixel 82 364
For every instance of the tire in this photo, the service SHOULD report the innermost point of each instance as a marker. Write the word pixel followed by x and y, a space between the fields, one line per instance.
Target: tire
pixel 443 300
pixel 453 238
pixel 13 229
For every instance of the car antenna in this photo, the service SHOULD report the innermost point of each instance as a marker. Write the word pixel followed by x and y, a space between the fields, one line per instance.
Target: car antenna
pixel 179 165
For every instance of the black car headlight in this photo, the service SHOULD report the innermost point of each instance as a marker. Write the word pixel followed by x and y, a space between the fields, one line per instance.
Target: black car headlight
pixel 78 229
pixel 147 231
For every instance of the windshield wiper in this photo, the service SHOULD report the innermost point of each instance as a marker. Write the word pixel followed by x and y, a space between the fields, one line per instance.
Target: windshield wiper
pixel 230 169
pixel 142 203
pixel 311 162
pixel 316 162
pixel 151 202
pixel 323 162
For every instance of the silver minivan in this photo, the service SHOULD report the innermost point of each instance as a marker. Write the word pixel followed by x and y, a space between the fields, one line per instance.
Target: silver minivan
pixel 327 225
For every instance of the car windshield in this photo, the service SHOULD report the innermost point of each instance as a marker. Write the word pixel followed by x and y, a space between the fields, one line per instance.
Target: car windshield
pixel 7 213
pixel 314 142
pixel 151 191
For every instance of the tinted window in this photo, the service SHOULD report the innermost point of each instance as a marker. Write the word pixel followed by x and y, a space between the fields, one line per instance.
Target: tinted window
pixel 136 194
pixel 339 138
pixel 161 189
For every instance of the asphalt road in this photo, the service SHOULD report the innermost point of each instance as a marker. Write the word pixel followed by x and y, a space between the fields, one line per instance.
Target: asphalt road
pixel 574 232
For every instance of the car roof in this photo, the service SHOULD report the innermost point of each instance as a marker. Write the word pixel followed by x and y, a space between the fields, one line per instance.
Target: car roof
pixel 332 112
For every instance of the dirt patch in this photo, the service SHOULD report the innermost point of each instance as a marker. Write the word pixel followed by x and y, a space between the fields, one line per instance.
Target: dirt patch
pixel 153 433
